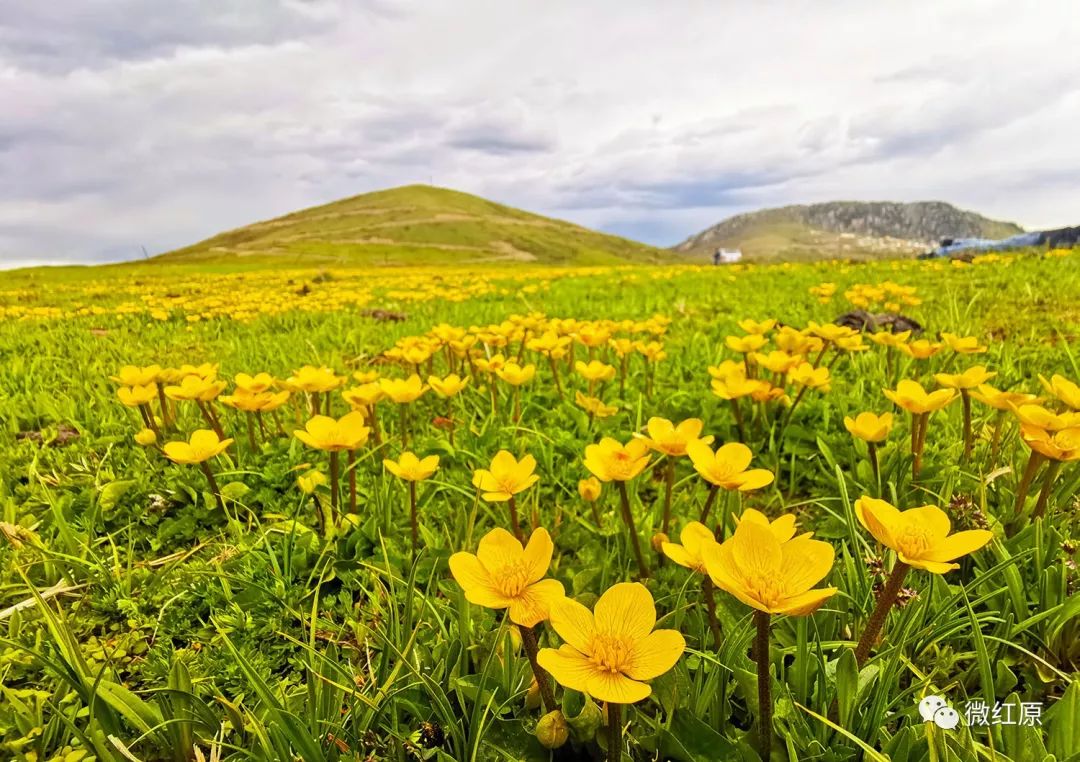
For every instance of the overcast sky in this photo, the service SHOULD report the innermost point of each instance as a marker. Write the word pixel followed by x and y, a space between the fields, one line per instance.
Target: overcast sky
pixel 128 124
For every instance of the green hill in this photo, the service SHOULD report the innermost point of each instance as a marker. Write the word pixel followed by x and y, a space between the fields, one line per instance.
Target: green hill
pixel 415 224
pixel 844 230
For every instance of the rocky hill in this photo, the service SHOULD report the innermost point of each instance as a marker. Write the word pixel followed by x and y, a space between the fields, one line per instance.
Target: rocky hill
pixel 844 229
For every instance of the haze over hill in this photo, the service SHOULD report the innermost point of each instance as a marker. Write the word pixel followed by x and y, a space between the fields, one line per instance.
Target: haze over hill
pixel 844 229
pixel 416 224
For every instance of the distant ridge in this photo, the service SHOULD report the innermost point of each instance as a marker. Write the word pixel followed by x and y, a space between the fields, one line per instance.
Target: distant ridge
pixel 416 224
pixel 844 229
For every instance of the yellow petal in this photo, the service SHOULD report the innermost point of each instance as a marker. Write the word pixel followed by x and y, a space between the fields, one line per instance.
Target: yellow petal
pixel 694 536
pixel 498 548
pixel 805 603
pixel 930 517
pixel 879 518
pixel 678 554
pixel 754 516
pixel 616 688
pixel 568 667
pixel 934 567
pixel 755 550
pixel 573 622
pixel 537 555
pixel 784 527
pixel 625 609
pixel 468 571
pixel 179 452
pixel 754 479
pixel 959 544
pixel 307 439
pixel 805 563
pixel 736 455
pixel 534 604
pixel 656 654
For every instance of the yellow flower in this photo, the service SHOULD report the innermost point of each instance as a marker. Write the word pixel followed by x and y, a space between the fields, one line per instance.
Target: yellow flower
pixel 1062 445
pixel 610 461
pixel 310 481
pixel 206 371
pixel 325 433
pixel 728 369
pixel 911 396
pixel 653 351
pixel 516 375
pixel 133 375
pixel 735 387
pixel 746 344
pixel 1002 400
pixel 364 395
pixel 146 437
pixel 777 361
pixel 1040 417
pixel 869 427
pixel 365 376
pixel 754 327
pixel 669 439
pixel 256 402
pixel 403 391
pixel 965 345
pixel 607 652
pixel 1064 389
pixel 589 489
pixel 794 341
pixel 133 396
pixel 254 384
pixel 769 575
pixel 889 339
pixel 195 388
pixel 919 536
pixel 506 476
pixel 830 331
pixel 921 349
pixel 313 380
pixel 449 386
pixel 851 343
pixel 727 467
pixel 969 379
pixel 696 538
pixel 411 468
pixel 782 527
pixel 202 446
pixel 807 375
pixel 594 405
pixel 503 575
pixel 595 370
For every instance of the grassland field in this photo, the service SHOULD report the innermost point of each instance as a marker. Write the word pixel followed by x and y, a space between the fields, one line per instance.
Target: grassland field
pixel 147 613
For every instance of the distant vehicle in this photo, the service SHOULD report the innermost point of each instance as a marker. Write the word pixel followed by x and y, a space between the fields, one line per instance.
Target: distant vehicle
pixel 726 256
pixel 1060 238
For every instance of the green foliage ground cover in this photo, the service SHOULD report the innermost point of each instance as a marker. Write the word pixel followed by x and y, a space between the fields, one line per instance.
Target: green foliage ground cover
pixel 246 631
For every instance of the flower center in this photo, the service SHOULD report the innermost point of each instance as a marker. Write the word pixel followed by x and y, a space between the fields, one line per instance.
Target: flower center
pixel 766 588
pixel 913 541
pixel 609 653
pixel 512 579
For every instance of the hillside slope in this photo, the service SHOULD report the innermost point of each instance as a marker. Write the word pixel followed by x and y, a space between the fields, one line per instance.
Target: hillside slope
pixel 416 224
pixel 844 229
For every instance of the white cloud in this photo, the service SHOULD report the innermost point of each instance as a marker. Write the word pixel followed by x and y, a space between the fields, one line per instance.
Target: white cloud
pixel 126 126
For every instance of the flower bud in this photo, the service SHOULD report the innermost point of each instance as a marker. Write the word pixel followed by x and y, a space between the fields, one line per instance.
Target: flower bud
pixel 587 721
pixel 589 489
pixel 310 481
pixel 658 541
pixel 532 696
pixel 552 730
pixel 146 437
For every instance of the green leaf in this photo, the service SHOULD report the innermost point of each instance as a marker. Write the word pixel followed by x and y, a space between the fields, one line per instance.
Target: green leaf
pixel 112 492
pixel 691 740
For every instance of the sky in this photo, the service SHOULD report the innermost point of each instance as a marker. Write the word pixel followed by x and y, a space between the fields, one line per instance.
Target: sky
pixel 132 126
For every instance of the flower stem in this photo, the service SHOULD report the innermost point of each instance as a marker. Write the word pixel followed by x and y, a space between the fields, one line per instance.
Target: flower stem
pixel 995 439
pixel 210 419
pixel 614 718
pixel 738 420
pixel 713 489
pixel 669 487
pixel 628 519
pixel 213 484
pixel 404 426
pixel 764 689
pixel 965 399
pixel 885 602
pixel 532 648
pixel 414 523
pixel 514 524
pixel 375 432
pixel 871 449
pixel 1052 469
pixel 1034 461
pixel 708 590
pixel 334 499
pixel 555 376
pixel 352 481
